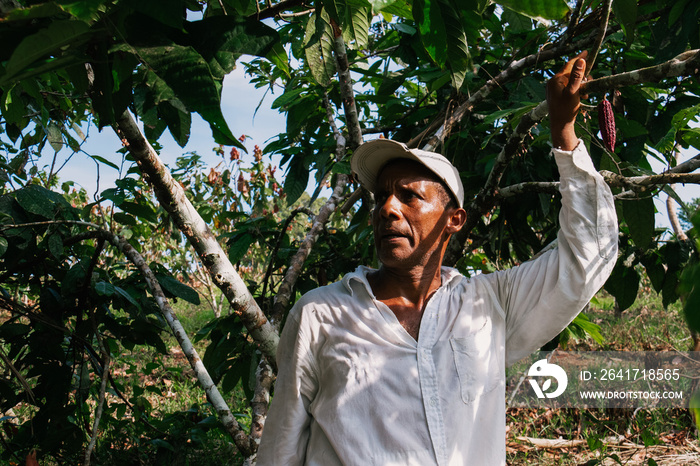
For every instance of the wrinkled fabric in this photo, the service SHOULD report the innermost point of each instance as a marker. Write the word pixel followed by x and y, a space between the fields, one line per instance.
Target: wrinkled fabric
pixel 354 388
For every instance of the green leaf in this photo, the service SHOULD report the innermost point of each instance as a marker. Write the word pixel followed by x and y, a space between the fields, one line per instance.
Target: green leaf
pixel 401 8
pixel 55 137
pixel 58 35
pixel 296 180
pixel 124 294
pixel 104 289
pixel 36 200
pixel 626 12
pixel 336 10
pixel 239 247
pixel 179 122
pixel 178 289
pixel 623 284
pixel 103 160
pixel 458 56
pixel 318 47
pixel 432 29
pixel 3 246
pixel 516 21
pixel 140 210
pixel 56 246
pixel 168 12
pixel 187 75
pixel 356 30
pixel 639 215
pixel 222 39
pixel 160 443
pixel 278 57
pixel 538 9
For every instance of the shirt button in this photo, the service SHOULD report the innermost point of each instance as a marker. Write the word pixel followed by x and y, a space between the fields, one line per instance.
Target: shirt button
pixel 433 401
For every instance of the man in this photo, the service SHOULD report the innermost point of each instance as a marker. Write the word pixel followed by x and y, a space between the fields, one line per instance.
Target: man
pixel 405 365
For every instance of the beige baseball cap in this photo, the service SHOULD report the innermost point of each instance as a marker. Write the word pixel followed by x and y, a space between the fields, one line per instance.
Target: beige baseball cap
pixel 369 159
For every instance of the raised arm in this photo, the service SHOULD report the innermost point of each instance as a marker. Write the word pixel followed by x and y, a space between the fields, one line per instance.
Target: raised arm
pixel 541 297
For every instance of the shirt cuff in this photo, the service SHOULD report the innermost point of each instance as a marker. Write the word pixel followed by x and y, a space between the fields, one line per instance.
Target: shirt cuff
pixel 570 162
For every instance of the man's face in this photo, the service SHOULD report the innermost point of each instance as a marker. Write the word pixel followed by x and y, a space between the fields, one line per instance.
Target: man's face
pixel 410 217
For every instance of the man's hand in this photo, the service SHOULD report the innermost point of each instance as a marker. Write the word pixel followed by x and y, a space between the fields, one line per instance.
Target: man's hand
pixel 564 102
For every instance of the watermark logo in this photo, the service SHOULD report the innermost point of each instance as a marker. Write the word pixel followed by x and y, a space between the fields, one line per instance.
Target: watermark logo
pixel 542 368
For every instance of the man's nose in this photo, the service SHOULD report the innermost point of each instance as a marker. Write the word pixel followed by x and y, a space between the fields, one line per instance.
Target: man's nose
pixel 390 207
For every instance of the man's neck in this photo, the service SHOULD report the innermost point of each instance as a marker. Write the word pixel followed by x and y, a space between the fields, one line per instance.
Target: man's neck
pixel 406 293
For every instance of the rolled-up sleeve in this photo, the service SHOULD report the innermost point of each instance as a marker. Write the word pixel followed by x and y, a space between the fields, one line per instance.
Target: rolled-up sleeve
pixel 541 297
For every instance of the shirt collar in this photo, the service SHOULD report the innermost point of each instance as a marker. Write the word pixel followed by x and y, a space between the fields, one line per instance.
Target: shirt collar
pixel 450 277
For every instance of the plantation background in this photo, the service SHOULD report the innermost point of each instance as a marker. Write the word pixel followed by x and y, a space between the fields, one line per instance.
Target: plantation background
pixel 139 319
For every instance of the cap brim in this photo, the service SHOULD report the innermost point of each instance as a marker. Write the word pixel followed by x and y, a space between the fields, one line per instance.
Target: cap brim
pixel 369 159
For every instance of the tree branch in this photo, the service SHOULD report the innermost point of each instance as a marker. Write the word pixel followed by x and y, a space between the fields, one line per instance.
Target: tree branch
pixel 213 395
pixel 511 73
pixel 261 401
pixel 274 10
pixel 172 197
pixel 284 292
pixel 685 64
pixel 634 183
pixel 607 6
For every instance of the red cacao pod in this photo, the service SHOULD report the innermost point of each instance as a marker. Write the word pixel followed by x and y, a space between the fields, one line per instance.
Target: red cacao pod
pixel 606 123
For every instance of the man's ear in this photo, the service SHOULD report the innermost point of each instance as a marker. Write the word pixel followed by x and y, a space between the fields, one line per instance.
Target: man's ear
pixel 456 221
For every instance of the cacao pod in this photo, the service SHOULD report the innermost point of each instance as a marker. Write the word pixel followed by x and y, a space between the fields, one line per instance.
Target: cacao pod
pixel 606 123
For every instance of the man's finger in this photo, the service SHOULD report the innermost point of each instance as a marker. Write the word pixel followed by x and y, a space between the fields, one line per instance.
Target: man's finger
pixel 570 64
pixel 576 76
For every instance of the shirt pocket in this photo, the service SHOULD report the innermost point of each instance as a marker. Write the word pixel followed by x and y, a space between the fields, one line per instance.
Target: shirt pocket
pixel 477 367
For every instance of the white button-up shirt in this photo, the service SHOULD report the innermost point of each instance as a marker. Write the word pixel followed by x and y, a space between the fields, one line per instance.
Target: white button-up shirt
pixel 354 388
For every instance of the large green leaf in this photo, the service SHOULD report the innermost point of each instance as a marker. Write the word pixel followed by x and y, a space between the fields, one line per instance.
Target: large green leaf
pixel 623 284
pixel 538 9
pixel 187 74
pixel 356 29
pixel 222 39
pixel 336 10
pixel 296 180
pixel 639 215
pixel 457 48
pixel 626 13
pixel 432 29
pixel 318 46
pixel 168 12
pixel 57 36
pixel 178 289
pixel 400 8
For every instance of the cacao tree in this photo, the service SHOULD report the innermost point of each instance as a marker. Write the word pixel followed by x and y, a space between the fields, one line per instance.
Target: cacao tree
pixel 86 279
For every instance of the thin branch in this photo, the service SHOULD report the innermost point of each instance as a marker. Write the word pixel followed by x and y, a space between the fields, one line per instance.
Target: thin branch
pixel 213 395
pixel 634 183
pixel 274 10
pixel 687 166
pixel 486 198
pixel 284 292
pixel 22 381
pixel 573 22
pixel 685 64
pixel 673 218
pixel 442 131
pixel 99 409
pixel 278 243
pixel 607 6
pixel 172 197
pixel 260 403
